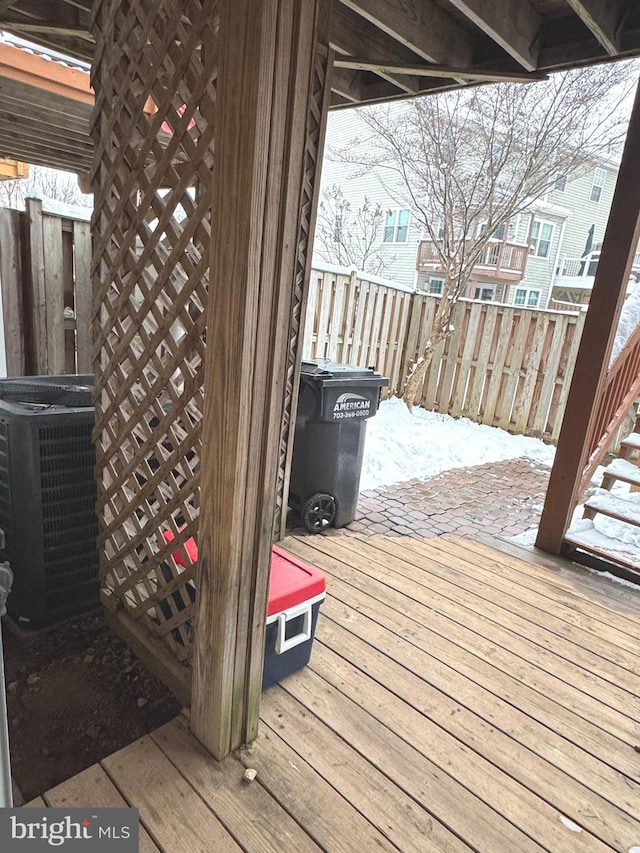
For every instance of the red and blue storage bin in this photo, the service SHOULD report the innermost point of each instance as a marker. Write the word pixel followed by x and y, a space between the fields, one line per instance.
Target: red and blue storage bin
pixel 296 591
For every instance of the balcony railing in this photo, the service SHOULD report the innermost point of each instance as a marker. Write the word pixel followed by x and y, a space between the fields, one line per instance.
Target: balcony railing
pixel 498 259
pixel 586 267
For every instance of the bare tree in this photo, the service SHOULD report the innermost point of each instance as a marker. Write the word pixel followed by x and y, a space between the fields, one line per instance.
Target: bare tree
pixel 350 238
pixel 466 162
pixel 43 183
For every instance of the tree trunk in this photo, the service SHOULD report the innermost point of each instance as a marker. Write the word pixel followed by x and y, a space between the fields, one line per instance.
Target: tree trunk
pixel 419 371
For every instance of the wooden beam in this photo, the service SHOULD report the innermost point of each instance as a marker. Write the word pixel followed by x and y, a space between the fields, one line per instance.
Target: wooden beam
pixel 11 170
pixel 46 27
pixel 353 35
pixel 71 83
pixel 602 17
pixel 351 86
pixel 420 25
pixel 607 296
pixel 262 188
pixel 513 24
pixel 421 70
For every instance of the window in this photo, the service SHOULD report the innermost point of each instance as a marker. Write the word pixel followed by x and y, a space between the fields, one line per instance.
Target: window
pixel 485 292
pixel 560 184
pixel 396 227
pixel 599 177
pixel 526 296
pixel 436 285
pixel 541 237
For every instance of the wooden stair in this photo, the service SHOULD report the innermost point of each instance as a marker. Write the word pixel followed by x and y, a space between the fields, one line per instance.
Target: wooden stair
pixel 586 536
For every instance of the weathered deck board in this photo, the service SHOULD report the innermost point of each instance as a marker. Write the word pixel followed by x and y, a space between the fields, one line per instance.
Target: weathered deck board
pixel 389 809
pixel 458 698
pixel 173 812
pixel 90 788
pixel 470 622
pixel 454 651
pixel 234 802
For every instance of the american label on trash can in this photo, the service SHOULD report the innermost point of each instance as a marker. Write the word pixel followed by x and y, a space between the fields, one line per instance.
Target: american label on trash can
pixel 34 830
pixel 351 406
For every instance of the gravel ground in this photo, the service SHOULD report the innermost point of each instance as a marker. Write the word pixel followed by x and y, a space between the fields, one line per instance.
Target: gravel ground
pixel 75 694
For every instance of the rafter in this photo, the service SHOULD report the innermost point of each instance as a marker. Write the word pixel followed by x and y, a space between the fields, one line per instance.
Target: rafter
pixel 353 86
pixel 420 25
pixel 602 17
pixel 513 24
pixel 471 74
pixel 353 35
pixel 12 22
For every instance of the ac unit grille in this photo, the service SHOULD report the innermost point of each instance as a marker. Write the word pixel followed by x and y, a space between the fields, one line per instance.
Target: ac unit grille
pixel 68 507
pixel 47 507
pixel 5 488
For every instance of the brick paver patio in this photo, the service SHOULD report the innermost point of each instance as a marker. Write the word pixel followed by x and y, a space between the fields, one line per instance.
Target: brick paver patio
pixel 499 498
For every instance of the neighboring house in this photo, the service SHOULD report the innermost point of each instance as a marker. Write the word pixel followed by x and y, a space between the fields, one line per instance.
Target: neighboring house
pixel 589 199
pixel 545 256
pixel 399 231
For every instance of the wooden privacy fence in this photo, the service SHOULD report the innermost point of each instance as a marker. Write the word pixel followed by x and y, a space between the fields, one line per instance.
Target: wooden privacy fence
pixel 503 366
pixel 45 270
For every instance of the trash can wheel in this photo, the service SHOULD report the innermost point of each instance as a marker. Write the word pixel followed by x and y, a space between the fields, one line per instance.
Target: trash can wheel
pixel 319 512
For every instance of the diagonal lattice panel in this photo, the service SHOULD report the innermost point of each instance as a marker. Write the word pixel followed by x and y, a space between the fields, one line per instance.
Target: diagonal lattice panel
pixel 153 127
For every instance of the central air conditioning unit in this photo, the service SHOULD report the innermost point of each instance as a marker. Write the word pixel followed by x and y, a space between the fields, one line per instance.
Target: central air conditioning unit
pixel 48 496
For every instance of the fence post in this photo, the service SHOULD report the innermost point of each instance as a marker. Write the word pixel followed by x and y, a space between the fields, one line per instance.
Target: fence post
pixel 12 293
pixel 35 251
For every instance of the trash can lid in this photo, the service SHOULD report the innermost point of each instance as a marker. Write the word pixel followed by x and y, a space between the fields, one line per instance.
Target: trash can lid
pixel 321 369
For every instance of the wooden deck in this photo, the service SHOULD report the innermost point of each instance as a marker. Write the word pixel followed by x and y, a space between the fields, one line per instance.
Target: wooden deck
pixel 458 698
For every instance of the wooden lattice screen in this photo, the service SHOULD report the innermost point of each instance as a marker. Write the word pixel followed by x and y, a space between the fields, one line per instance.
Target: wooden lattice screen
pixel 154 78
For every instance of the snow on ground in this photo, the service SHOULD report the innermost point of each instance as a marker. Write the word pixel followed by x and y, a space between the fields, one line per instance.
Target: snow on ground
pixel 628 322
pixel 402 446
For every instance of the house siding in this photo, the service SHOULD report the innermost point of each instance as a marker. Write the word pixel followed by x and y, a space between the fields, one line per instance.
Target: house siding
pixel 376 185
pixel 584 212
pixel 539 272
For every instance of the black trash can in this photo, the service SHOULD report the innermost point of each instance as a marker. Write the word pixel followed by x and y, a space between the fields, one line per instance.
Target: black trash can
pixel 335 401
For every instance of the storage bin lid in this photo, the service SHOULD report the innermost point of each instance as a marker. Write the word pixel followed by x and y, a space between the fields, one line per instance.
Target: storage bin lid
pixel 292 582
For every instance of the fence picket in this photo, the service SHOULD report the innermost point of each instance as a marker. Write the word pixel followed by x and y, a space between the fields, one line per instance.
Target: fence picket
pixel 12 293
pixel 550 379
pixel 83 295
pixel 464 382
pixel 480 376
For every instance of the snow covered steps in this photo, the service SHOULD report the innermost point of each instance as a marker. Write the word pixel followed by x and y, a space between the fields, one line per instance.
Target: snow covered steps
pixel 623 470
pixel 614 506
pixel 629 444
pixel 582 534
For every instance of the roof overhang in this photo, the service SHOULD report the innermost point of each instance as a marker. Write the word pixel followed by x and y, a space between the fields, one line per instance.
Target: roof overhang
pixel 45 109
pixel 384 51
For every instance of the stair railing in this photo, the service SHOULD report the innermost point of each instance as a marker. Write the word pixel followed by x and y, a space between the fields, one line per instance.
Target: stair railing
pixel 621 389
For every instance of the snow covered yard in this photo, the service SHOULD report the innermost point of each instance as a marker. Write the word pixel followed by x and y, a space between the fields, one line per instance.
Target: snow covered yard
pixel 402 446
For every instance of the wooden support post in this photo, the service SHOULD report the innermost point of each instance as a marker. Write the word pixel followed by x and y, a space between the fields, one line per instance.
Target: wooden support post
pixel 266 89
pixel 609 288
